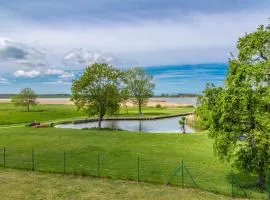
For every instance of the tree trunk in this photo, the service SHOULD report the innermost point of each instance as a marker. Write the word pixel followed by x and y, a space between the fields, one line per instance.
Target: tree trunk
pixel 140 108
pixel 28 107
pixel 184 129
pixel 99 121
pixel 262 180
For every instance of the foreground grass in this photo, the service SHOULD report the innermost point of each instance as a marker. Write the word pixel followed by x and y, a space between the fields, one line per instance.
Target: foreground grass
pixel 10 115
pixel 115 154
pixel 28 185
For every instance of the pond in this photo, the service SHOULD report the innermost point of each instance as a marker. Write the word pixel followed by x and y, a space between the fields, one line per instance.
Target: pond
pixel 167 125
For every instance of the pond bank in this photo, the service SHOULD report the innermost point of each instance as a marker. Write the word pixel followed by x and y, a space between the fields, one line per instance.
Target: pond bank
pixel 126 118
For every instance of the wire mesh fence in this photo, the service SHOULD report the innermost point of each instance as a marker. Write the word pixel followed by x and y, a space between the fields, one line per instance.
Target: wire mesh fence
pixel 128 166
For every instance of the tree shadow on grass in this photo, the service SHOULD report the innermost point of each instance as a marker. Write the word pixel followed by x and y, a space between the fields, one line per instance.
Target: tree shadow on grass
pixel 33 111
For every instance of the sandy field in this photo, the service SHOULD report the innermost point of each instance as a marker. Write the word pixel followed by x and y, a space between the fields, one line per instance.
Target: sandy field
pixel 66 101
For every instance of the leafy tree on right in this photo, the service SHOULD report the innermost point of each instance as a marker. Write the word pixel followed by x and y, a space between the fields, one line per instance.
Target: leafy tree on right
pixel 238 114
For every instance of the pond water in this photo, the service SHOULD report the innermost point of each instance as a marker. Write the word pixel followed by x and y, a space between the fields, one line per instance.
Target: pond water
pixel 167 125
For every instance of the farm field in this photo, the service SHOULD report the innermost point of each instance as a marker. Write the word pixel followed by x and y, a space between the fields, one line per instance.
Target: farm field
pixel 10 115
pixel 115 154
pixel 31 185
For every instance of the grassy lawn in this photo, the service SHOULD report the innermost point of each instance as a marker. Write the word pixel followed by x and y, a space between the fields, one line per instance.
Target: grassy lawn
pixel 118 151
pixel 29 185
pixel 9 114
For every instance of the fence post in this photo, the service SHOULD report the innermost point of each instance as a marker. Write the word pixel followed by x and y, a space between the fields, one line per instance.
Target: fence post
pixel 98 165
pixel 182 173
pixel 4 161
pixel 232 185
pixel 138 169
pixel 33 161
pixel 64 162
pixel 268 186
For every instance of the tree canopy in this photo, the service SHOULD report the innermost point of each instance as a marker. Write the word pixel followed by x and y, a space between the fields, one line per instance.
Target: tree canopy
pixel 140 86
pixel 238 114
pixel 27 97
pixel 99 91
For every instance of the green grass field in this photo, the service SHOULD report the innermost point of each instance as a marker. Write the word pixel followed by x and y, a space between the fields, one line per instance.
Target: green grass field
pixel 27 185
pixel 159 156
pixel 9 114
pixel 123 155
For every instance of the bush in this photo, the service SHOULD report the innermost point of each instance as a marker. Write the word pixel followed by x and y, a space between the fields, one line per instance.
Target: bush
pixel 158 106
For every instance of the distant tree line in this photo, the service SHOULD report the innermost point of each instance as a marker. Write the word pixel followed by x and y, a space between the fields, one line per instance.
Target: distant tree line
pixel 178 95
pixel 9 96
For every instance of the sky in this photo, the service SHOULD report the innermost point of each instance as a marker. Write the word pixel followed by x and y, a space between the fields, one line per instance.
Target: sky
pixel 46 44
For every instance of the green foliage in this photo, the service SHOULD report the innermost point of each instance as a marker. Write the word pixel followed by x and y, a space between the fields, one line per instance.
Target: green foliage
pixel 26 97
pixel 140 86
pixel 99 90
pixel 238 115
pixel 182 122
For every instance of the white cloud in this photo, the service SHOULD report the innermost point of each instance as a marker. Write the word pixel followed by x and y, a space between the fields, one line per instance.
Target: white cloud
pixel 66 75
pixel 190 38
pixel 3 80
pixel 54 72
pixel 27 74
pixel 59 82
pixel 61 73
pixel 82 57
pixel 20 54
pixel 37 73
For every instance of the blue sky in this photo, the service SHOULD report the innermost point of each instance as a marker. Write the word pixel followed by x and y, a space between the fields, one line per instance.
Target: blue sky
pixel 45 44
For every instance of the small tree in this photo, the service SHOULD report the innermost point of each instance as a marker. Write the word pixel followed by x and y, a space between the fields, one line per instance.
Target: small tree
pixel 99 91
pixel 27 97
pixel 182 123
pixel 140 86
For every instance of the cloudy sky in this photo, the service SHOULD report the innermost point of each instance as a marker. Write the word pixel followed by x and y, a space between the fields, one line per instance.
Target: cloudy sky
pixel 45 44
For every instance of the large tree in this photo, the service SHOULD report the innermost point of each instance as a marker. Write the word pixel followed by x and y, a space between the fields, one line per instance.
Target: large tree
pixel 27 97
pixel 140 85
pixel 238 114
pixel 99 91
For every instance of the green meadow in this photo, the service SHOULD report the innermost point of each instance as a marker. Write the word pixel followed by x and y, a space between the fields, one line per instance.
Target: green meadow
pixel 120 155
pixel 115 154
pixel 9 114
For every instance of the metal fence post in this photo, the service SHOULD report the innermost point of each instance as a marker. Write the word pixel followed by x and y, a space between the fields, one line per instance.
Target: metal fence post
pixel 4 158
pixel 138 169
pixel 98 165
pixel 64 162
pixel 33 161
pixel 268 186
pixel 232 185
pixel 182 173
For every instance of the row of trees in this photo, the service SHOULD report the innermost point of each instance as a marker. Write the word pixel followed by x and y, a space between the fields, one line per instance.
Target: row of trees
pixel 102 88
pixel 238 114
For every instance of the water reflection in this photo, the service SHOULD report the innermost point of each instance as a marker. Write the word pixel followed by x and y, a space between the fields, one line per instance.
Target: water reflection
pixel 168 125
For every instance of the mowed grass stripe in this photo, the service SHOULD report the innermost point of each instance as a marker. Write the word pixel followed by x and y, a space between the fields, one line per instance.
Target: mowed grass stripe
pixel 35 185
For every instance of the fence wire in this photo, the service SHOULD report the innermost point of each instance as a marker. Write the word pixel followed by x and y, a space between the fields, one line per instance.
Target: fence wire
pixel 134 167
